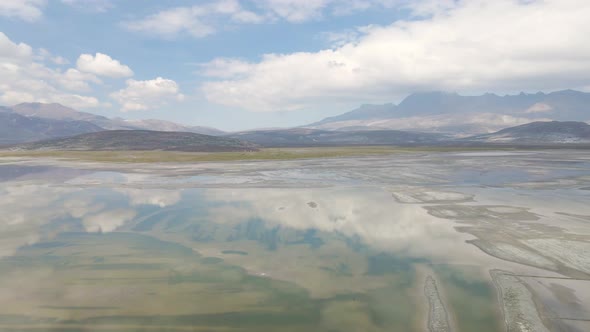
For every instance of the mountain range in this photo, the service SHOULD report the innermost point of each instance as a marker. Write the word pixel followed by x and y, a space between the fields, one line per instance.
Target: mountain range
pixel 420 119
pixel 29 122
pixel 16 128
pixel 463 116
pixel 540 134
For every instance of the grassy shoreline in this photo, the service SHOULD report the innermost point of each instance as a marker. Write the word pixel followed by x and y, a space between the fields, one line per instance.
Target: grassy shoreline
pixel 263 154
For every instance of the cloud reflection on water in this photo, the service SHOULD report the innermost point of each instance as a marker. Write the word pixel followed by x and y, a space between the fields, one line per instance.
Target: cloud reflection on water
pixel 28 207
pixel 373 215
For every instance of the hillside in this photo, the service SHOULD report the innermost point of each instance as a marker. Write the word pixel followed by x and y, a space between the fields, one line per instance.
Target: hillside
pixel 313 137
pixel 15 128
pixel 141 140
pixel 538 133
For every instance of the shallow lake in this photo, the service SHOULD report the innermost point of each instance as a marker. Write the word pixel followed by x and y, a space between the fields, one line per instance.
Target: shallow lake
pixel 392 243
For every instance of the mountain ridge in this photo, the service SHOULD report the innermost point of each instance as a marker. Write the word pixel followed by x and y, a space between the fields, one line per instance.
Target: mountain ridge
pixel 16 128
pixel 313 137
pixel 539 133
pixel 414 120
pixel 140 140
pixel 60 112
pixel 73 122
pixel 433 112
pixel 54 111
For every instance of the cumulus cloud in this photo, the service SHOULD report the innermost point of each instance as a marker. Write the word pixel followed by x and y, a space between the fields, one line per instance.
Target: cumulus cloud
pixel 226 68
pixel 460 46
pixel 300 11
pixel 99 6
pixel 161 198
pixel 373 216
pixel 102 65
pixel 24 79
pixel 74 80
pixel 295 11
pixel 45 55
pixel 80 207
pixel 198 21
pixel 205 19
pixel 144 95
pixel 107 221
pixel 27 10
pixel 11 51
pixel 25 209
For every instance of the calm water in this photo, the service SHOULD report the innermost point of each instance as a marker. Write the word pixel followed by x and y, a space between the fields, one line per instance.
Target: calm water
pixel 95 250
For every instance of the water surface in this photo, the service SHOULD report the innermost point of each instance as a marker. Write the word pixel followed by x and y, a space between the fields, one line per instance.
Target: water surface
pixel 344 245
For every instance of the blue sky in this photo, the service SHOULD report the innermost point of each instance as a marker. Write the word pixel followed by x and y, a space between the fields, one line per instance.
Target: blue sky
pixel 237 64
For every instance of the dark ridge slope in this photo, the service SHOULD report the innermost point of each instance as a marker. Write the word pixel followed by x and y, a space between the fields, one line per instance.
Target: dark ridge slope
pixel 313 137
pixel 141 140
pixel 550 132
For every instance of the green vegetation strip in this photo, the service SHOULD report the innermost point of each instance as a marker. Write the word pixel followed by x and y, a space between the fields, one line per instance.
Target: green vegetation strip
pixel 263 154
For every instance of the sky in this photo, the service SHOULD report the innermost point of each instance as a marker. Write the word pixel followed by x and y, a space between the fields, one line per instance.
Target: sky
pixel 242 64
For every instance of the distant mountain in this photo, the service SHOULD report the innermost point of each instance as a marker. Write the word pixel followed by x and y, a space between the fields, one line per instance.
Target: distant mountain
pixel 314 137
pixel 141 140
pixel 16 128
pixel 206 130
pixel 539 133
pixel 54 111
pixel 160 125
pixel 56 117
pixel 463 115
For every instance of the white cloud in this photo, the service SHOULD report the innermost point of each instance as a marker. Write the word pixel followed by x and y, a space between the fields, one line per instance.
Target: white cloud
pixel 467 45
pixel 374 216
pixel 161 198
pixel 198 21
pixel 11 51
pixel 226 68
pixel 297 11
pixel 23 79
pixel 99 6
pixel 78 207
pixel 144 95
pixel 45 55
pixel 27 10
pixel 341 38
pixel 172 21
pixel 59 60
pixel 102 65
pixel 73 79
pixel 540 108
pixel 26 207
pixel 205 19
pixel 108 221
